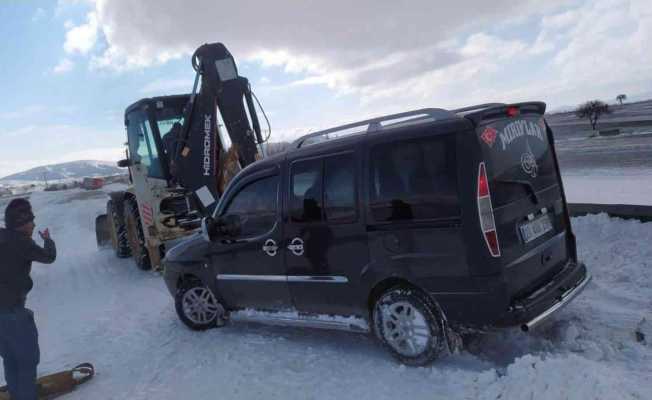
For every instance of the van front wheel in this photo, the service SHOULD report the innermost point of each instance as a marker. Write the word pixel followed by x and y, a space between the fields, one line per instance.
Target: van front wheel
pixel 197 307
pixel 410 326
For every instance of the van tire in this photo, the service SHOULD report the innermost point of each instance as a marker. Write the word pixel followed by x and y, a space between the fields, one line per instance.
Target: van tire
pixel 183 305
pixel 118 230
pixel 136 236
pixel 410 325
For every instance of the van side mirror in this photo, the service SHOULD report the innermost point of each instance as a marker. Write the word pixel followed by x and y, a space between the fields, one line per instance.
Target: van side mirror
pixel 125 163
pixel 230 225
pixel 211 229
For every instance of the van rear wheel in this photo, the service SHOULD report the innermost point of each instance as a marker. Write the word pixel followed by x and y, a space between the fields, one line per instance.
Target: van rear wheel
pixel 409 325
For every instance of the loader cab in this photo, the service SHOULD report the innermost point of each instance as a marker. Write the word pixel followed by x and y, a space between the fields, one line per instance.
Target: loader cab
pixel 152 126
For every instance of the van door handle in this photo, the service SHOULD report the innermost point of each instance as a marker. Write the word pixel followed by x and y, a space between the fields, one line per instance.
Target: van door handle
pixel 296 246
pixel 270 247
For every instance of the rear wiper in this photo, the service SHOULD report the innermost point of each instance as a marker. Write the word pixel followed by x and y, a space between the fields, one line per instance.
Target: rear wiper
pixel 527 184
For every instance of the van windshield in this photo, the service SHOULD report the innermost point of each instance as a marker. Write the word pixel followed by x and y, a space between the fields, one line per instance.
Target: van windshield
pixel 518 157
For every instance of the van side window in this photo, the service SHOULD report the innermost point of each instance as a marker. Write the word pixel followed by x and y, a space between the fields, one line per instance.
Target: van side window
pixel 414 179
pixel 324 189
pixel 339 188
pixel 306 189
pixel 256 204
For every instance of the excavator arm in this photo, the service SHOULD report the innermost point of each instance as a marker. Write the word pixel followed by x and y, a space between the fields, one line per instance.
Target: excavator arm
pixel 199 156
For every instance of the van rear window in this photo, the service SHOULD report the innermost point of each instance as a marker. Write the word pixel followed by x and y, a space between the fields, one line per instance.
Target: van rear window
pixel 518 157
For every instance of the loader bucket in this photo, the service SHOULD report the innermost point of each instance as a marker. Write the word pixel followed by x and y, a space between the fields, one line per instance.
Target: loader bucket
pixel 102 231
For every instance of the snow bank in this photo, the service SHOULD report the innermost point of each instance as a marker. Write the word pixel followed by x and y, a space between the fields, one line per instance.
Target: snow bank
pixel 91 306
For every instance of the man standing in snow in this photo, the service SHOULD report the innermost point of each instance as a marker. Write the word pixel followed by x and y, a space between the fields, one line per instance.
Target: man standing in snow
pixel 18 335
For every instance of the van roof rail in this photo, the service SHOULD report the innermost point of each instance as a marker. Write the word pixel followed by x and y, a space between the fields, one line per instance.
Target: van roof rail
pixel 375 124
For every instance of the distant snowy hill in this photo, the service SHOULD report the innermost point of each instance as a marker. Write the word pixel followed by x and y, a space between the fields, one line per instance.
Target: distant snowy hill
pixel 69 170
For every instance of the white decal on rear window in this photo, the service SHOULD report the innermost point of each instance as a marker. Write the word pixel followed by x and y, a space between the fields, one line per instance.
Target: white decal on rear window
pixel 529 162
pixel 519 128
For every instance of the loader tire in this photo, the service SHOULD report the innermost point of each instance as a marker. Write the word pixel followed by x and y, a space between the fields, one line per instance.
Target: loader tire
pixel 135 235
pixel 118 231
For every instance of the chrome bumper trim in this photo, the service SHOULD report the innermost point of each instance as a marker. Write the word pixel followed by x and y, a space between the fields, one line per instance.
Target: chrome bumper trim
pixel 565 298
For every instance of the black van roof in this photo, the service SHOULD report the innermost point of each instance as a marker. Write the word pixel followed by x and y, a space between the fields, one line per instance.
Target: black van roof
pixel 409 118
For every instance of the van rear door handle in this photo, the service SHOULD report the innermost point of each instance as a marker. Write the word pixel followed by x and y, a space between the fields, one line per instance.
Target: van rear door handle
pixel 270 247
pixel 296 246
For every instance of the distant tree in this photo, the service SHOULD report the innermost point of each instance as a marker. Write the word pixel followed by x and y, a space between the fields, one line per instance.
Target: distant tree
pixel 592 110
pixel 621 98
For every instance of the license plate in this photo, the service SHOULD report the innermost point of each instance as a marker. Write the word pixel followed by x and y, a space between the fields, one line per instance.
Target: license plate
pixel 536 228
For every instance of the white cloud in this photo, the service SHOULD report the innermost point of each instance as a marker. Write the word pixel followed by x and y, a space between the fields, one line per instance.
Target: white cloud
pixel 82 38
pixel 65 65
pixel 417 53
pixel 306 37
pixel 609 44
pixel 487 46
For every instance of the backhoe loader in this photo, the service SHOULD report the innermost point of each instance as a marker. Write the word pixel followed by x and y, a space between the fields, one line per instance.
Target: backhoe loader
pixel 182 150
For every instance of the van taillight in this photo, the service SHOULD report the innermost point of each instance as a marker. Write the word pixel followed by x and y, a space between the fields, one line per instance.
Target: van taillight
pixel 486 213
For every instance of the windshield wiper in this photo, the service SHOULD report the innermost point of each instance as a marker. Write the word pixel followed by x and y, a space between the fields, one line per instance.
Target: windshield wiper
pixel 526 184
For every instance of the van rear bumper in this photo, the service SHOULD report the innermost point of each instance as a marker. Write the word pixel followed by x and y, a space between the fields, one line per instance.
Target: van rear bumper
pixel 531 311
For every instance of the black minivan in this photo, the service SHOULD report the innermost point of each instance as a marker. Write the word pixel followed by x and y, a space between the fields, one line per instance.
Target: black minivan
pixel 412 226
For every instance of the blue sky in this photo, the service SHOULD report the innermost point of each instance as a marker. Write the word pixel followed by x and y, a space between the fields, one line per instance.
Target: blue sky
pixel 69 68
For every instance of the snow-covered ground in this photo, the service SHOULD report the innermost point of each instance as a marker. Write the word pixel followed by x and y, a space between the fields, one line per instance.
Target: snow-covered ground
pixel 91 306
pixel 608 185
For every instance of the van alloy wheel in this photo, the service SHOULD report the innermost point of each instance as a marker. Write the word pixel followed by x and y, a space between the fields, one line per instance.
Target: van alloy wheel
pixel 405 328
pixel 197 307
pixel 411 325
pixel 200 306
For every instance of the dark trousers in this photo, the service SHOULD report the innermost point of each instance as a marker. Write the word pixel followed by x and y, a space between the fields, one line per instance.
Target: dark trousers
pixel 20 352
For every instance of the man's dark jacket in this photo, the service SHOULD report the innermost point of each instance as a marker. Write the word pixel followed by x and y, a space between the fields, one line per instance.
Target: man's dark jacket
pixel 17 251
